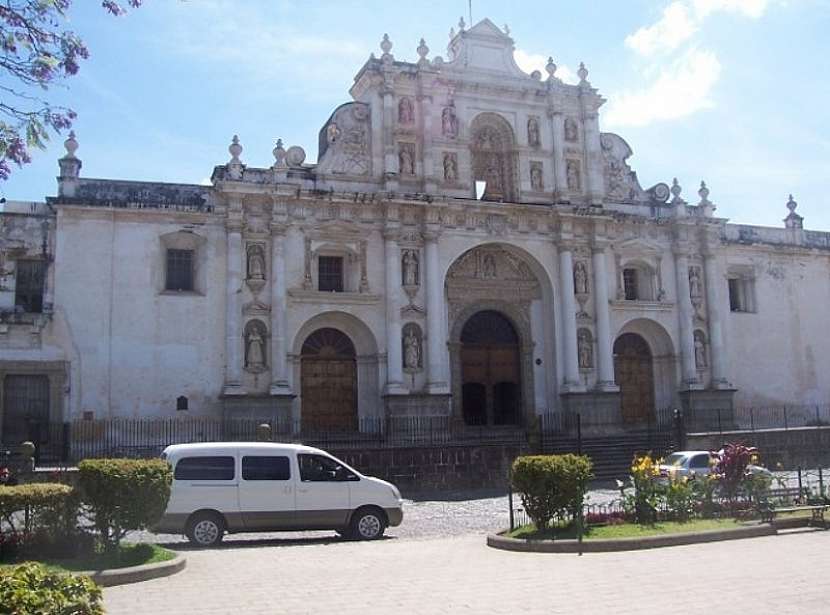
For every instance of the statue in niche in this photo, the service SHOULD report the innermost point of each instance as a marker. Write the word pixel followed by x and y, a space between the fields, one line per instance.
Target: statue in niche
pixel 580 278
pixel 571 130
pixel 585 349
pixel 406 159
pixel 695 286
pixel 254 348
pixel 449 122
pixel 533 132
pixel 411 350
pixel 450 167
pixel 536 177
pixel 700 351
pixel 488 268
pixel 256 264
pixel 406 113
pixel 574 182
pixel 410 268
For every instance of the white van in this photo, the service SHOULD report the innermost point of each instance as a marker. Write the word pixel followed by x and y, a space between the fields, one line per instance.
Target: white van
pixel 266 487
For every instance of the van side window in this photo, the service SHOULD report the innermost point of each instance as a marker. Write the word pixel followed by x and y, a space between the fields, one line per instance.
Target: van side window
pixel 317 468
pixel 205 468
pixel 265 468
pixel 700 462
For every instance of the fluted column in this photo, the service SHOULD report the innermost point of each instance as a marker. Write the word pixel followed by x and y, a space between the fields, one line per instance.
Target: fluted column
pixel 279 375
pixel 394 365
pixel 571 354
pixel 560 180
pixel 713 312
pixel 437 380
pixel 685 314
pixel 233 316
pixel 605 360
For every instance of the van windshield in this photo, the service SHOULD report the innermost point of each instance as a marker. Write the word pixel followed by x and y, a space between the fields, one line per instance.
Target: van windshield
pixel 675 459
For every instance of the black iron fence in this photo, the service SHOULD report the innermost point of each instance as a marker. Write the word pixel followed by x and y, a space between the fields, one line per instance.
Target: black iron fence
pixel 756 418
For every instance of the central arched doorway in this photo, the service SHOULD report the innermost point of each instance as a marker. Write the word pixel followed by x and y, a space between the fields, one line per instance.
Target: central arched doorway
pixel 328 374
pixel 634 374
pixel 490 370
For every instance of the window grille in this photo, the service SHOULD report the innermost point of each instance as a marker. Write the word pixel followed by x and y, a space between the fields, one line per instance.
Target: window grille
pixel 630 284
pixel 28 289
pixel 179 270
pixel 330 274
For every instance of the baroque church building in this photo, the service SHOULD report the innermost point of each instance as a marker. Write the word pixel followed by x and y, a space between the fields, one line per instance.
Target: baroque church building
pixel 468 245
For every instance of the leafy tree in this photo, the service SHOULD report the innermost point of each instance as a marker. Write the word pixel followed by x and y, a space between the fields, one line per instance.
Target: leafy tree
pixel 37 51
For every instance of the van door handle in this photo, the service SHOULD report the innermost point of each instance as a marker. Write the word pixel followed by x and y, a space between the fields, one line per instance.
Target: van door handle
pixel 303 490
pixel 287 490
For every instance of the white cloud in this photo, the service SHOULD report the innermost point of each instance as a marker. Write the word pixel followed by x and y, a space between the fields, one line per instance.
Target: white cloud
pixel 680 89
pixel 530 62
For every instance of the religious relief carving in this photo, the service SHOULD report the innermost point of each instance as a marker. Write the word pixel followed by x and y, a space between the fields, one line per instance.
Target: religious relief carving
pixel 308 282
pixel 580 278
pixel 255 334
pixel 585 349
pixel 449 121
pixel 696 289
pixel 536 182
pixel 533 139
pixel 574 175
pixel 701 361
pixel 450 167
pixel 256 262
pixel 406 112
pixel 345 143
pixel 493 156
pixel 571 130
pixel 621 182
pixel 411 268
pixel 406 158
pixel 412 347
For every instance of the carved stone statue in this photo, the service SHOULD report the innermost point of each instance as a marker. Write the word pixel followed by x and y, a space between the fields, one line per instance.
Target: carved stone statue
pixel 695 285
pixel 412 350
pixel 256 264
pixel 255 354
pixel 410 268
pixel 571 130
pixel 700 351
pixel 536 177
pixel 488 269
pixel 574 181
pixel 406 114
pixel 450 167
pixel 449 122
pixel 585 349
pixel 406 159
pixel 580 278
pixel 533 132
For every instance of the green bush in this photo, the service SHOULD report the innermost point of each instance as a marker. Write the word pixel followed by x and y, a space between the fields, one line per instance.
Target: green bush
pixel 46 503
pixel 124 495
pixel 551 485
pixel 33 590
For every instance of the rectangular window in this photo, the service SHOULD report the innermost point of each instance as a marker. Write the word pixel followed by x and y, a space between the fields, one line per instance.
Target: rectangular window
pixel 29 282
pixel 205 468
pixel 317 468
pixel 179 270
pixel 265 468
pixel 330 274
pixel 741 294
pixel 630 284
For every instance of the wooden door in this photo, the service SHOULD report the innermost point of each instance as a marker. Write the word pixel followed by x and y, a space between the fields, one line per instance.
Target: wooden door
pixel 634 373
pixel 329 382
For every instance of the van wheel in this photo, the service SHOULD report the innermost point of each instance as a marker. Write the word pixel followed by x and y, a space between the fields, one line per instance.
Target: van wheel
pixel 367 524
pixel 206 529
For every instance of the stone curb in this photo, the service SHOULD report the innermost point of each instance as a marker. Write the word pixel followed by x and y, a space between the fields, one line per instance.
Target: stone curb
pixel 626 544
pixel 136 574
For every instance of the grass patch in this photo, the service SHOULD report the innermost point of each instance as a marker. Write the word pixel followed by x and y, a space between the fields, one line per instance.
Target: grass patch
pixel 624 530
pixel 130 555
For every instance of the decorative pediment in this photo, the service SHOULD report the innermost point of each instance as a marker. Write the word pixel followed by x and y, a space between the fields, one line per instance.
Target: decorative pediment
pixel 638 246
pixel 486 48
pixel 621 182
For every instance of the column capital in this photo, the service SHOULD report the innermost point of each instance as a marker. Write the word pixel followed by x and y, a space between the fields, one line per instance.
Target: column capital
pixel 233 225
pixel 391 233
pixel 431 235
pixel 278 229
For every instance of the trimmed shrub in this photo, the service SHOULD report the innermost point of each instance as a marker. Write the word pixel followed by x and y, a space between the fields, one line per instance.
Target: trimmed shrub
pixel 551 485
pixel 42 500
pixel 32 589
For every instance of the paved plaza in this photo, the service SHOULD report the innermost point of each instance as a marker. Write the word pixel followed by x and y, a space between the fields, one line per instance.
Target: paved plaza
pixel 437 562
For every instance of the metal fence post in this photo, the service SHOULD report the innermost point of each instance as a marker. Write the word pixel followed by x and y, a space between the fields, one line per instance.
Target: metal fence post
pixel 800 485
pixel 751 419
pixel 578 433
pixel 66 433
pixel 820 481
pixel 720 425
pixel 510 500
pixel 786 425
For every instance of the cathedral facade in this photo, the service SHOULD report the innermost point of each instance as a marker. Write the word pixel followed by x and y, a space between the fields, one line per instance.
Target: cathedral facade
pixel 469 244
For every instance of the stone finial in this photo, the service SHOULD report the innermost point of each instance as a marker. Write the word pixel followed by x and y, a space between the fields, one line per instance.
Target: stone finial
pixel 452 33
pixel 422 50
pixel 551 67
pixel 507 29
pixel 70 167
pixel 582 73
pixel 676 190
pixel 461 24
pixel 791 204
pixel 279 154
pixel 703 193
pixel 386 47
pixel 71 145
pixel 793 220
pixel 235 149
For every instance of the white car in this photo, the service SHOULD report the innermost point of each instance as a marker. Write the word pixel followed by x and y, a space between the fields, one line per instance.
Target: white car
pixel 696 463
pixel 266 487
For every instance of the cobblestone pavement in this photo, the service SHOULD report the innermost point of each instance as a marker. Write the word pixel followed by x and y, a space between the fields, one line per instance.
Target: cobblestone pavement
pixel 772 575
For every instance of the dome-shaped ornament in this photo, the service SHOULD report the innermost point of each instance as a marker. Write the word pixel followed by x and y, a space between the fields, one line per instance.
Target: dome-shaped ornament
pixel 423 50
pixel 279 154
pixel 551 67
pixel 386 44
pixel 235 149
pixel 582 73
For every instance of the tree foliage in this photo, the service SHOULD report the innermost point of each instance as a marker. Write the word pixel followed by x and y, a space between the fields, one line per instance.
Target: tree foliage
pixel 37 50
pixel 551 485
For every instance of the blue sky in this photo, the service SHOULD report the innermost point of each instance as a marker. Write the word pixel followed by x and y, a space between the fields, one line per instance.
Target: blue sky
pixel 730 91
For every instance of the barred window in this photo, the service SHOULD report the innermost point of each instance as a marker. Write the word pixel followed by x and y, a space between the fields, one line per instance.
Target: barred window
pixel 630 284
pixel 179 270
pixel 28 288
pixel 742 294
pixel 330 273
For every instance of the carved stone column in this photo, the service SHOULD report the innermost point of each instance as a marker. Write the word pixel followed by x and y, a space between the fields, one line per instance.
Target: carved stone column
pixel 560 180
pixel 605 363
pixel 394 360
pixel 685 314
pixel 566 292
pixel 279 375
pixel 595 181
pixel 437 380
pixel 713 313
pixel 233 309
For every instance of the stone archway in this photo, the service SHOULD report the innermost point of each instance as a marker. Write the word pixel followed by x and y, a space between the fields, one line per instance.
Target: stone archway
pixel 634 374
pixel 328 377
pixel 493 155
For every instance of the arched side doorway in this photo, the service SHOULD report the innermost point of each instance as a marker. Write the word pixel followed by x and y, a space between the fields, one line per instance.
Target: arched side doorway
pixel 328 376
pixel 490 371
pixel 634 374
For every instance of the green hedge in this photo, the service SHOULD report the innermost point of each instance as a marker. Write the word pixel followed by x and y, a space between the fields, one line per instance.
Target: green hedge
pixel 32 589
pixel 42 499
pixel 551 485
pixel 124 494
